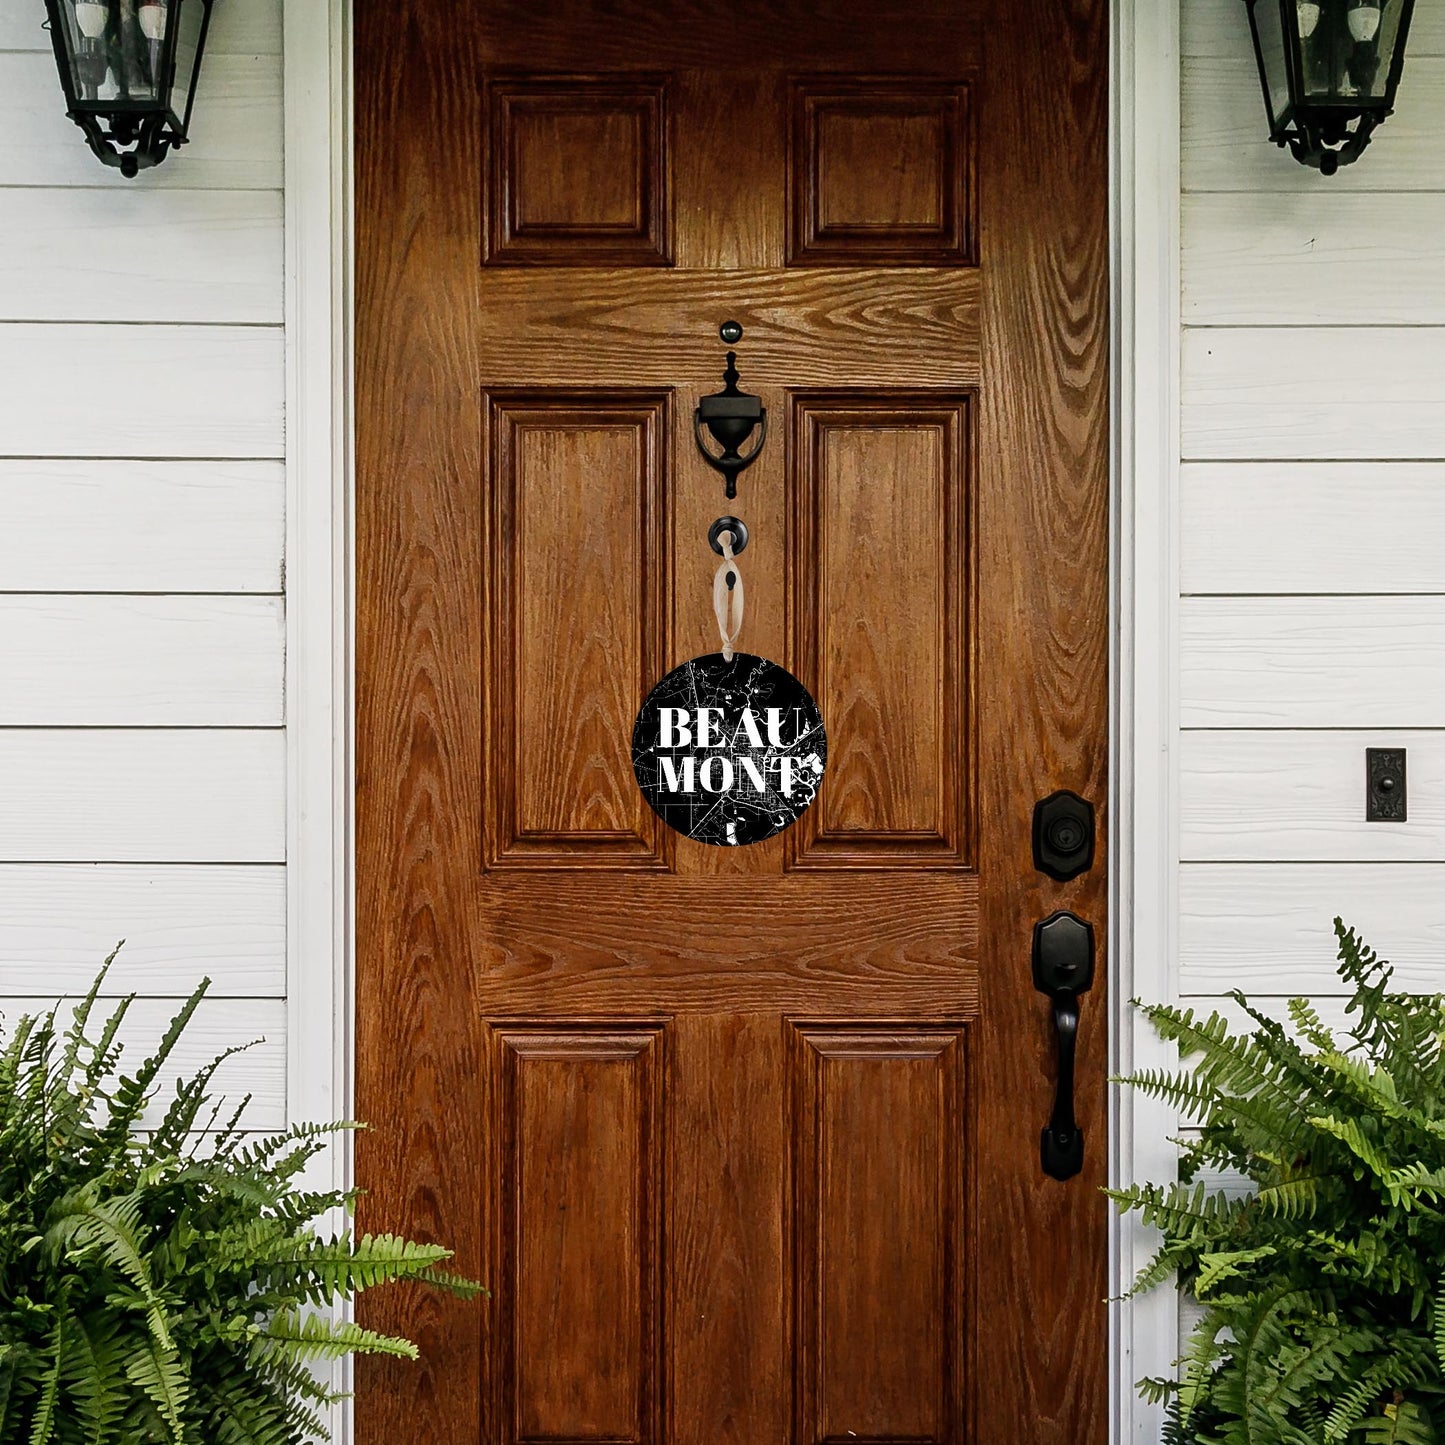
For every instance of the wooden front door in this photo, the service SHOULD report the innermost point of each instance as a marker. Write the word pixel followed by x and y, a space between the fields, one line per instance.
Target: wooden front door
pixel 745 1142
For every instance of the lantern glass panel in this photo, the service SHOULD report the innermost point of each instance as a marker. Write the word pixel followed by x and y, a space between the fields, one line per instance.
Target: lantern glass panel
pixel 1268 19
pixel 1345 58
pixel 133 54
pixel 190 25
pixel 114 61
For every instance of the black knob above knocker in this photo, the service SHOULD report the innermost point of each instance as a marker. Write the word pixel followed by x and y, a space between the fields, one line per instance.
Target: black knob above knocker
pixel 731 416
pixel 734 525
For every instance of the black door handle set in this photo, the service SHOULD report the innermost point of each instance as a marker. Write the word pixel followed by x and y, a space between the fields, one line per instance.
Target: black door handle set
pixel 1063 966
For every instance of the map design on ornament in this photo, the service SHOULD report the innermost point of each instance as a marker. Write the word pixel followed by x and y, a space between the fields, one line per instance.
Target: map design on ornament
pixel 729 753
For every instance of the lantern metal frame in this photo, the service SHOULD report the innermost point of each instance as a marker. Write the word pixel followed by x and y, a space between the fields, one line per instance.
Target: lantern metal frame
pixel 131 134
pixel 1325 133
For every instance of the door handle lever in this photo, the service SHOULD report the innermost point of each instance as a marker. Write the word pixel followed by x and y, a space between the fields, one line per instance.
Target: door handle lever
pixel 1061 1142
pixel 1063 963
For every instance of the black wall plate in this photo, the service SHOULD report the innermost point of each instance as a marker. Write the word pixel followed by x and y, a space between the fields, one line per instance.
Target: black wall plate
pixel 1385 800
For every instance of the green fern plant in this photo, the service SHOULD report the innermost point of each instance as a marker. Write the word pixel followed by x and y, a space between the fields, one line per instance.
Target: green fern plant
pixel 1322 1284
pixel 164 1282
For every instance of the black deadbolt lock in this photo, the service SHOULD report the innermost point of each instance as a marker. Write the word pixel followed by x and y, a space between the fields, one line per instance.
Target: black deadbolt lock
pixel 1063 836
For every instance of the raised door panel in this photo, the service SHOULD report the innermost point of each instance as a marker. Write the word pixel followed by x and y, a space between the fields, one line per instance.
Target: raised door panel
pixel 880 173
pixel 576 1338
pixel 575 515
pixel 879 1233
pixel 880 573
pixel 578 172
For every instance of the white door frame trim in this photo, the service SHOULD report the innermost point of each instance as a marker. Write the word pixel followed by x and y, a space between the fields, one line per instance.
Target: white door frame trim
pixel 316 94
pixel 1144 266
pixel 1144 848
pixel 318 562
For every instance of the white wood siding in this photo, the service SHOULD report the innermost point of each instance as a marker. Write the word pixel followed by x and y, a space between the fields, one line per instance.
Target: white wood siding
pixel 180 924
pixel 1263 928
pixel 189 526
pixel 235 138
pixel 142 524
pixel 1225 148
pixel 1276 528
pixel 1312 528
pixel 170 256
pixel 1281 795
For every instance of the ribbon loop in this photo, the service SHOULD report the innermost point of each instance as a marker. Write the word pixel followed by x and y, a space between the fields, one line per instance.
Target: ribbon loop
pixel 727 596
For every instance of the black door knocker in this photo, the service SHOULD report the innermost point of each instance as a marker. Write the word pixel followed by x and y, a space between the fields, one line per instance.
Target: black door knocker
pixel 731 416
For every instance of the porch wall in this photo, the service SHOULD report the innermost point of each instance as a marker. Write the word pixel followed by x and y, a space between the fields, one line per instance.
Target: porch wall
pixel 1312 527
pixel 142 517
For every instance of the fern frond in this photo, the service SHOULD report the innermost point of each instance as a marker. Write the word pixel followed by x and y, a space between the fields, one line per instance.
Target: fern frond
pixel 1177 1208
pixel 158 1372
pixel 245 1415
pixel 313 1337
pixel 348 1265
pixel 1310 1025
pixel 1403 1423
pixel 94 1373
pixel 105 1054
pixel 1357 1401
pixel 1184 1091
pixel 42 1425
pixel 114 1228
pixel 1292 1199
pixel 132 1094
pixel 1352 1136
pixel 180 1118
pixel 71 1104
pixel 1227 1264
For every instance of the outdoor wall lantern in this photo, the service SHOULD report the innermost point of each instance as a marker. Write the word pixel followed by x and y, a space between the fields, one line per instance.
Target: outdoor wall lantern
pixel 129 69
pixel 1330 69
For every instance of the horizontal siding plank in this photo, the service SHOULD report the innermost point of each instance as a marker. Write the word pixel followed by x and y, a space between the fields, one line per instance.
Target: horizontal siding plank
pixel 180 924
pixel 1312 662
pixel 212 256
pixel 219 1024
pixel 1221 28
pixel 141 391
pixel 1333 393
pixel 1269 929
pixel 1225 143
pixel 1290 260
pixel 236 134
pixel 1281 527
pixel 81 795
pixel 1299 797
pixel 188 526
pixel 142 661
pixel 238 27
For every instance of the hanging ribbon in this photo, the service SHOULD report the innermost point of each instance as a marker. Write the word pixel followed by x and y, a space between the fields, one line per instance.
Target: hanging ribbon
pixel 727 596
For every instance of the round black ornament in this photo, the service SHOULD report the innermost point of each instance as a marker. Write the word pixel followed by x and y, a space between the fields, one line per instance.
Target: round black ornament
pixel 729 752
